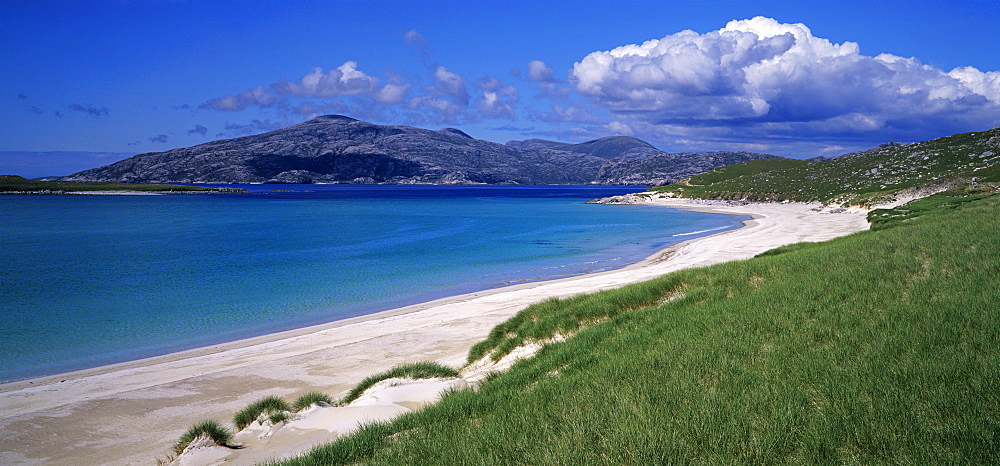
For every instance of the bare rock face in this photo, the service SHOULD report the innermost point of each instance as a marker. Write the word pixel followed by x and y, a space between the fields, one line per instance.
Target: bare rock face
pixel 339 149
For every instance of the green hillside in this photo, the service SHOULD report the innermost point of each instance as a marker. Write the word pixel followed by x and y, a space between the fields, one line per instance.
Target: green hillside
pixel 14 183
pixel 866 178
pixel 879 347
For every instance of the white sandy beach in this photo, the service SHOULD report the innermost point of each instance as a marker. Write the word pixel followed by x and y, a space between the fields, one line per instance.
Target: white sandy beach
pixel 132 413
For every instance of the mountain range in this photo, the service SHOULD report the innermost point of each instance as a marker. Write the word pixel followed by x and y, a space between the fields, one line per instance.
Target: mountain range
pixel 340 149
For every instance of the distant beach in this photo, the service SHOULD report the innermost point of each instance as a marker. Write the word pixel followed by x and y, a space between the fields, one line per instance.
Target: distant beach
pixel 132 412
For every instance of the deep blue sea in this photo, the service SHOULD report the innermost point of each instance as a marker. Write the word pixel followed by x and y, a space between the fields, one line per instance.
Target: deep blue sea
pixel 93 280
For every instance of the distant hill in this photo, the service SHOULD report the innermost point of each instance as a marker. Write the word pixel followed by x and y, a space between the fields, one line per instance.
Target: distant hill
pixel 858 178
pixel 339 149
pixel 13 184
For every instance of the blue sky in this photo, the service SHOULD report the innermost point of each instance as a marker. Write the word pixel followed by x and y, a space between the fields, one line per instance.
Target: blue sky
pixel 796 79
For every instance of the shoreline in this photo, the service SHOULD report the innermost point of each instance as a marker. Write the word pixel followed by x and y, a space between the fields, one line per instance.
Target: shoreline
pixel 169 393
pixel 242 343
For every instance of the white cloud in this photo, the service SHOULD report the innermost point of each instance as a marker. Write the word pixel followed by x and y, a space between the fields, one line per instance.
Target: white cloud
pixel 492 106
pixel 392 93
pixel 497 99
pixel 759 76
pixel 450 85
pixel 414 37
pixel 343 81
pixel 539 71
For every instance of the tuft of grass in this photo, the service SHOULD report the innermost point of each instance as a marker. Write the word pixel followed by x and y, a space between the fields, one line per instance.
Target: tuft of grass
pixel 267 405
pixel 279 416
pixel 210 429
pixel 310 399
pixel 882 347
pixel 419 370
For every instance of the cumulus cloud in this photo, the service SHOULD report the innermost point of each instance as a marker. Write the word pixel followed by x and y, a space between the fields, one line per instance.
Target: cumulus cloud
pixel 22 97
pixel 444 101
pixel 759 76
pixel 497 99
pixel 451 85
pixel 162 138
pixel 544 78
pixel 392 93
pixel 198 129
pixel 345 80
pixel 92 110
pixel 442 110
pixel 539 71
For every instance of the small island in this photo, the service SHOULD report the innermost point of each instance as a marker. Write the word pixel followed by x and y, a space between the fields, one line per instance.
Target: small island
pixel 13 184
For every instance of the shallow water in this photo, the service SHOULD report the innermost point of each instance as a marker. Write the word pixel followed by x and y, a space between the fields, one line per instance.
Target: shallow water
pixel 93 280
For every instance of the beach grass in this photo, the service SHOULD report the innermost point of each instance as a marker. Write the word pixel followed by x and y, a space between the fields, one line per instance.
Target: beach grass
pixel 268 405
pixel 310 399
pixel 210 429
pixel 879 347
pixel 419 370
pixel 279 416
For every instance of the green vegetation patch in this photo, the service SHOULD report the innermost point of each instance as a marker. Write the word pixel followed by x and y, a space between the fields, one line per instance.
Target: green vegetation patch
pixel 13 183
pixel 866 178
pixel 419 370
pixel 310 399
pixel 210 429
pixel 879 347
pixel 885 218
pixel 268 405
pixel 544 320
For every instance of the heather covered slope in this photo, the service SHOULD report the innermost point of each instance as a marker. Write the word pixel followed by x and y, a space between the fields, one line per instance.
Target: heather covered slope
pixel 866 178
pixel 338 149
pixel 879 347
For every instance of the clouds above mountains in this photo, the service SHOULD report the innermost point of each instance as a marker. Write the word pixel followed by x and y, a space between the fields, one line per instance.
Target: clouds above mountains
pixel 755 83
pixel 763 79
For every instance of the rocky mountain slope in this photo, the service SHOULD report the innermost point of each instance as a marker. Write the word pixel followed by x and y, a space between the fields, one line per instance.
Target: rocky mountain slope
pixel 339 149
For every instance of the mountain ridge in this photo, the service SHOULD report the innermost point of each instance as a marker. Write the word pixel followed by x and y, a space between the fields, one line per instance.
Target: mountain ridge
pixel 341 149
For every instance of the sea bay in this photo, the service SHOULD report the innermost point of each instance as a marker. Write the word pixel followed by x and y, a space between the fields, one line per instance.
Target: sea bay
pixel 93 280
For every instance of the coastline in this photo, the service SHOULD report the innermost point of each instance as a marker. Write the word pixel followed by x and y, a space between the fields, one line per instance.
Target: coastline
pixel 132 412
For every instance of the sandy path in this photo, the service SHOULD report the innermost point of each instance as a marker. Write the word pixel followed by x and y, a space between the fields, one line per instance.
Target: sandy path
pixel 132 413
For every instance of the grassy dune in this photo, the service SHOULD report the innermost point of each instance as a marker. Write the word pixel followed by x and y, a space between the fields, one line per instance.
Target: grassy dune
pixel 879 347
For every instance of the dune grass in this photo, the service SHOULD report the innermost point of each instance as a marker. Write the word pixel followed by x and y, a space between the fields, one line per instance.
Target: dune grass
pixel 420 370
pixel 268 405
pixel 211 429
pixel 310 399
pixel 880 347
pixel 566 316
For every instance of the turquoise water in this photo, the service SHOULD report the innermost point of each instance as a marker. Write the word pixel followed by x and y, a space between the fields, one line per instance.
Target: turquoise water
pixel 93 280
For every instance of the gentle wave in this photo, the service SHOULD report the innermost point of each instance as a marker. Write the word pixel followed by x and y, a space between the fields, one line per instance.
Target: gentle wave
pixel 701 231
